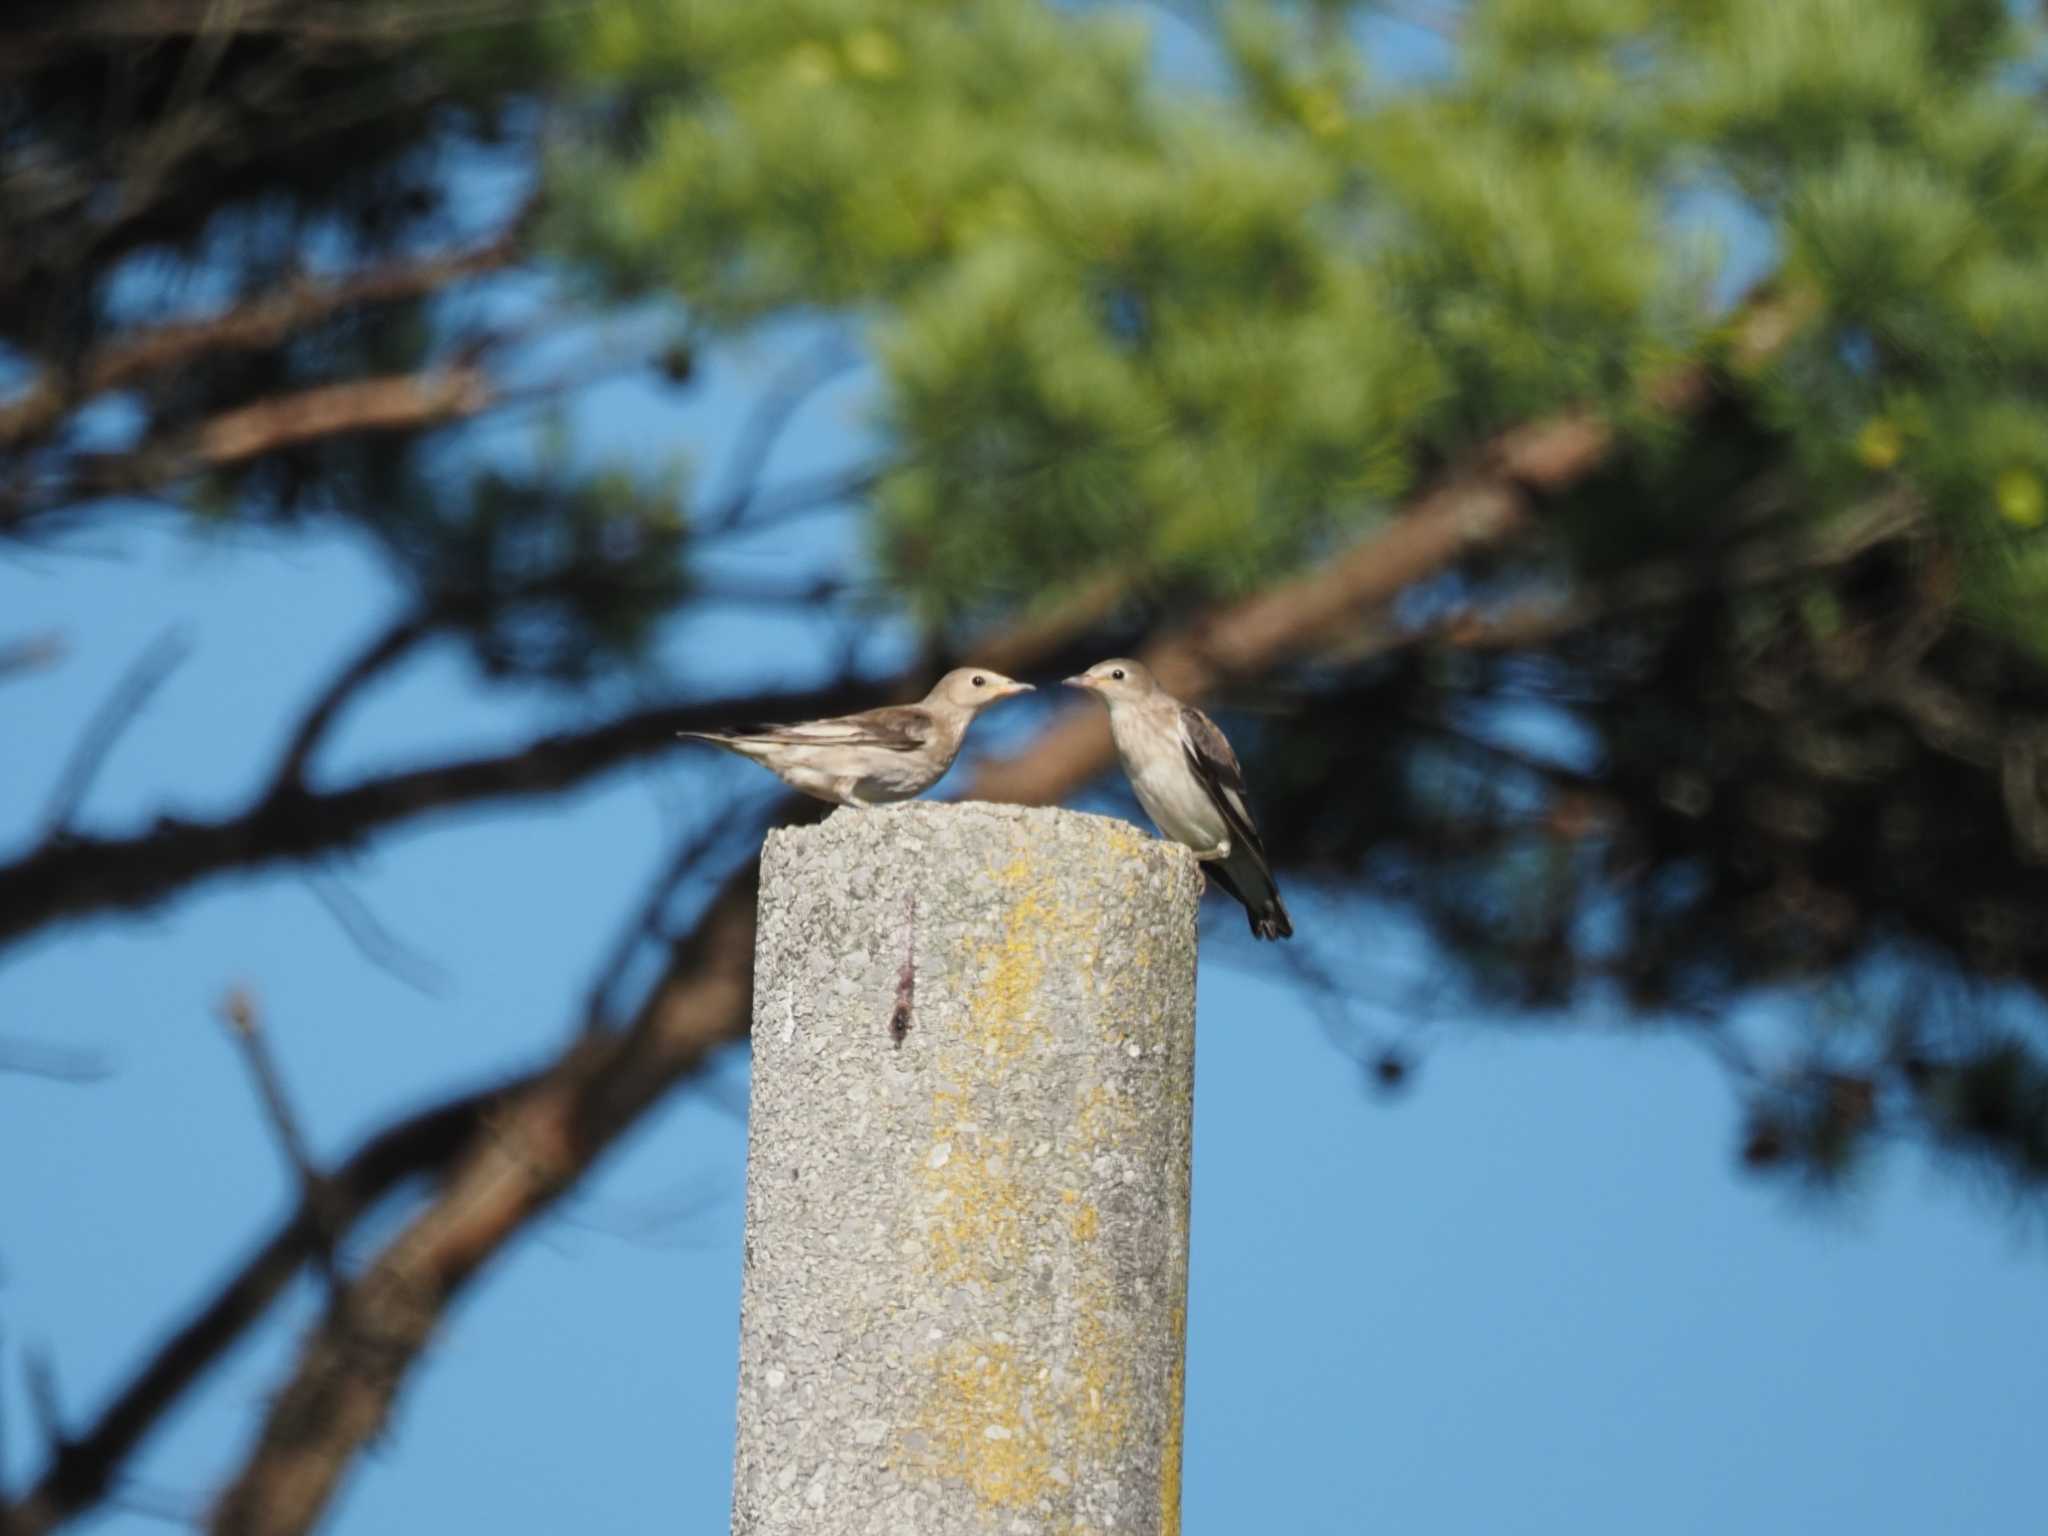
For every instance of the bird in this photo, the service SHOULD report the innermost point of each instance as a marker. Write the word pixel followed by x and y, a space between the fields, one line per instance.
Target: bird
pixel 879 755
pixel 1188 780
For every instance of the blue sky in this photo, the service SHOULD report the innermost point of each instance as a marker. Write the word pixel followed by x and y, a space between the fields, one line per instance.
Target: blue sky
pixel 1533 1294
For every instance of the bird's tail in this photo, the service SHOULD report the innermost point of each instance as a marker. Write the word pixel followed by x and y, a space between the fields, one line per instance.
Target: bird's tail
pixel 1262 905
pixel 1270 921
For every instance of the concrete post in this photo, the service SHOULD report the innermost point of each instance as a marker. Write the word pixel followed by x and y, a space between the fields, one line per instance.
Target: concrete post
pixel 965 1286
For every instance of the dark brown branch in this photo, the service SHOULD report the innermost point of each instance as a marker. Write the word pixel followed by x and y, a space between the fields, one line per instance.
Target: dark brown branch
pixel 390 647
pixel 68 878
pixel 406 402
pixel 258 323
pixel 238 1009
pixel 30 44
pixel 131 695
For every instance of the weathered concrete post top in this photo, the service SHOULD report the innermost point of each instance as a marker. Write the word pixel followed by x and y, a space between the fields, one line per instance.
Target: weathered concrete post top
pixel 967 1180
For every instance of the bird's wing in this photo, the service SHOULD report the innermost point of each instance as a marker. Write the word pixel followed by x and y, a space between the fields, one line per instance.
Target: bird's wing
pixel 892 728
pixel 1213 763
pixel 1245 874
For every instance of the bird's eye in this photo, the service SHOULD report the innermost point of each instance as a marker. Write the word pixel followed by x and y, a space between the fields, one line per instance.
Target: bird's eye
pixel 980 681
pixel 1117 675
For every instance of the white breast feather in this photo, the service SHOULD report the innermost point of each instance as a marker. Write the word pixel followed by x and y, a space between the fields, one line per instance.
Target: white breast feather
pixel 1171 794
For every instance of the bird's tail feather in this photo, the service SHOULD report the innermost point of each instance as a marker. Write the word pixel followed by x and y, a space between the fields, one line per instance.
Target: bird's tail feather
pixel 1273 922
pixel 1268 918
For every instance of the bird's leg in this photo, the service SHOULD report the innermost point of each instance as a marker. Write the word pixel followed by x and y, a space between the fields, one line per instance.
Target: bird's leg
pixel 849 795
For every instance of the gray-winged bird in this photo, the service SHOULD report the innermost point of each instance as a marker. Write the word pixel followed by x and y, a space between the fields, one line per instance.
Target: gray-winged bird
pixel 1188 780
pixel 878 755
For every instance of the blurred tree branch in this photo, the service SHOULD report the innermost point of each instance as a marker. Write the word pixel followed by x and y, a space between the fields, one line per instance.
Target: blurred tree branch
pixel 82 873
pixel 1472 509
pixel 85 1466
pixel 131 695
pixel 267 321
pixel 396 403
pixel 30 654
pixel 398 640
pixel 325 23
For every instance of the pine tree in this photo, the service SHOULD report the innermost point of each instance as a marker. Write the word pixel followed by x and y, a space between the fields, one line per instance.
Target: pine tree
pixel 1174 303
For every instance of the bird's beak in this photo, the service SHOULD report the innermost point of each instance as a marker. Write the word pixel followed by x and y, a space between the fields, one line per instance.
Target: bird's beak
pixel 1016 688
pixel 1083 681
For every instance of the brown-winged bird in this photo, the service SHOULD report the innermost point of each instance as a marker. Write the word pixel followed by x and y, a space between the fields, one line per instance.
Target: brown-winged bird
pixel 878 755
pixel 1188 780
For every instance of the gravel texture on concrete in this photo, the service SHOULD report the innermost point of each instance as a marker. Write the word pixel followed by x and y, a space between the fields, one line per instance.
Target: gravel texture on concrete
pixel 965 1288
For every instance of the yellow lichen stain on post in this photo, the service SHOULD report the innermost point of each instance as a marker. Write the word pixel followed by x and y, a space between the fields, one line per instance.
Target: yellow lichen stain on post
pixel 978 1422
pixel 1129 843
pixel 1002 1015
pixel 977 1211
pixel 1101 1402
pixel 1023 1422
pixel 1084 1221
pixel 1169 1461
pixel 985 1419
pixel 1102 1118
